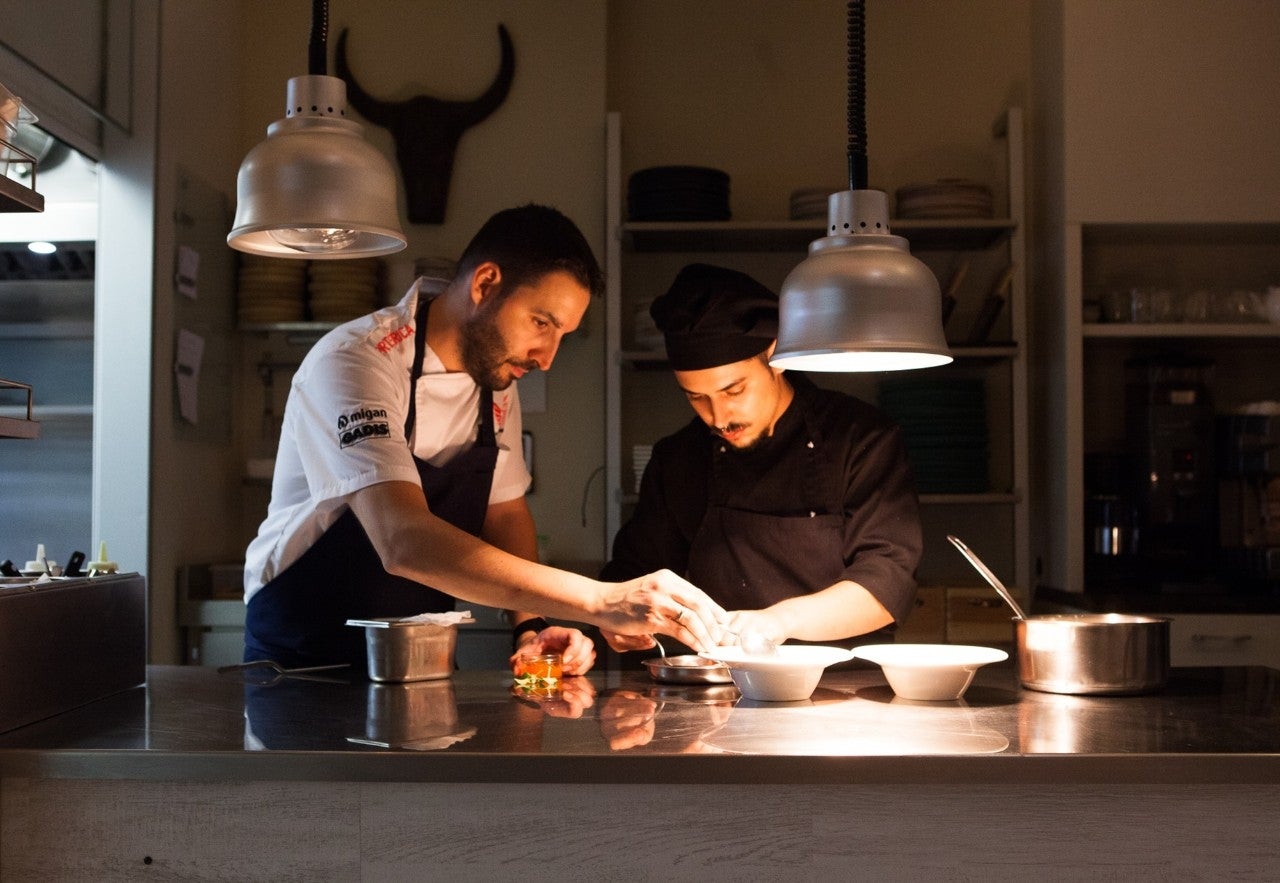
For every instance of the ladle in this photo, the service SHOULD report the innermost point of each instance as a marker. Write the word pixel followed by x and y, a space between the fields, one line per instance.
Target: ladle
pixel 987 575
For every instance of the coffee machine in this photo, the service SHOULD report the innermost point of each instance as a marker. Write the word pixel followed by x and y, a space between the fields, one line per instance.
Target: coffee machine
pixel 1169 433
pixel 1248 453
pixel 1112 540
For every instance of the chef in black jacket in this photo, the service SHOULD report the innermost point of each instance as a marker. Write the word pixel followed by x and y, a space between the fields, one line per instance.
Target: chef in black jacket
pixel 792 505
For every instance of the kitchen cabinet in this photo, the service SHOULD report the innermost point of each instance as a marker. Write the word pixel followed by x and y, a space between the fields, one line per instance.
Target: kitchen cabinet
pixel 958 615
pixel 1224 639
pixel 642 403
pixel 1156 170
pixel 1085 417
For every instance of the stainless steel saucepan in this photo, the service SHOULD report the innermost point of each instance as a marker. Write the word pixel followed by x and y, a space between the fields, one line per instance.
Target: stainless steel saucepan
pixel 1085 653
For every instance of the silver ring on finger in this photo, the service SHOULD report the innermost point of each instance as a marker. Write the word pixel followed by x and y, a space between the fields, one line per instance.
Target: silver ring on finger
pixel 680 614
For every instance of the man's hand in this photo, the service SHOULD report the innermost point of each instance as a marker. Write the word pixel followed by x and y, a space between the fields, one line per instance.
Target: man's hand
pixel 627 719
pixel 662 603
pixel 755 626
pixel 577 650
pixel 625 643
pixel 569 698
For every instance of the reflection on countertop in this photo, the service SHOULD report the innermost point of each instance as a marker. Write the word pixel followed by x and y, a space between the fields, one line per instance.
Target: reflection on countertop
pixel 476 723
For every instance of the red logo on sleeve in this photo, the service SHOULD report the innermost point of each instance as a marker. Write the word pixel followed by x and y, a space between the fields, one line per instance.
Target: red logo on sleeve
pixel 394 339
pixel 500 409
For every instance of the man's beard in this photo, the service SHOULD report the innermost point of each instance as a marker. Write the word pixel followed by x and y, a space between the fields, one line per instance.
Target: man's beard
pixel 756 443
pixel 484 351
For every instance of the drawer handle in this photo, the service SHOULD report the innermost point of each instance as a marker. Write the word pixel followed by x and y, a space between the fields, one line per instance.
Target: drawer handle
pixel 1221 639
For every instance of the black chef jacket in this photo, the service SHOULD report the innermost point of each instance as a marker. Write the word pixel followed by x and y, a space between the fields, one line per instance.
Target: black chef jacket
pixel 830 455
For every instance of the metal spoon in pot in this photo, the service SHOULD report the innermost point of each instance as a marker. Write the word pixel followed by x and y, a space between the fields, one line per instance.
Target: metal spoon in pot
pixel 987 575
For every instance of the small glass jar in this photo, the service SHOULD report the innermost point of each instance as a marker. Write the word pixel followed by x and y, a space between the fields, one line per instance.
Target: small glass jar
pixel 547 666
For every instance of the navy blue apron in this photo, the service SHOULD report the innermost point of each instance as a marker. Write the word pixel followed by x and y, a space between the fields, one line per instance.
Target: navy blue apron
pixel 299 617
pixel 748 560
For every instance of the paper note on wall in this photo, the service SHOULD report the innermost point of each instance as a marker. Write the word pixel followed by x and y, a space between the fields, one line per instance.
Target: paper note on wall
pixel 188 272
pixel 186 366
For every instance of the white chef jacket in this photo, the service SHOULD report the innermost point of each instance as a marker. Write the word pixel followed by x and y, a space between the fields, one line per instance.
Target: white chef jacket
pixel 343 430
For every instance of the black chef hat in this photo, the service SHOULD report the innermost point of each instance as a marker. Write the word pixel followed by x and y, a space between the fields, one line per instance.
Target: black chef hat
pixel 712 316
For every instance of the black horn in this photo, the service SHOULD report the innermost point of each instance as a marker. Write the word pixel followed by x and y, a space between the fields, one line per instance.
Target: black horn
pixel 493 97
pixel 427 130
pixel 375 110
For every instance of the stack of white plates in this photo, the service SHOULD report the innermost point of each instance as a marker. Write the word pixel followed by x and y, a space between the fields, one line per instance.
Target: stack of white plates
pixel 947 198
pixel 270 290
pixel 338 291
pixel 811 202
pixel 640 455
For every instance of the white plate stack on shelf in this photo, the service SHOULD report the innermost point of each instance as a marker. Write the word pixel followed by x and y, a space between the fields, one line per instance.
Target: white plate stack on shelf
pixel 640 455
pixel 338 291
pixel 946 198
pixel 270 290
pixel 811 202
pixel 647 336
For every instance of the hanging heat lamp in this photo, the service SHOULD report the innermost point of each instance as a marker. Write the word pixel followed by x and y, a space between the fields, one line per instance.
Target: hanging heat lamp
pixel 859 301
pixel 315 189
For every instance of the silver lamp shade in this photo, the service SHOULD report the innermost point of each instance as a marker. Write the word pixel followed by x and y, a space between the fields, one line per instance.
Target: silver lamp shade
pixel 315 189
pixel 860 301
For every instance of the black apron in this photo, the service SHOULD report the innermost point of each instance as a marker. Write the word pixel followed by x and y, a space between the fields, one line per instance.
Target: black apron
pixel 299 617
pixel 749 560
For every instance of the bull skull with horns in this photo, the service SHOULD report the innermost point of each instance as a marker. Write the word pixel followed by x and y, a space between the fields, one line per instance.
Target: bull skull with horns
pixel 426 130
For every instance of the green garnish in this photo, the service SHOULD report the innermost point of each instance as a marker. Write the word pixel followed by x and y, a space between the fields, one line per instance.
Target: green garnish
pixel 535 682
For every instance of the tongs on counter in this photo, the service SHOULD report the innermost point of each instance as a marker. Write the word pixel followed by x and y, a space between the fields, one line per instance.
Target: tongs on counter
pixel 279 672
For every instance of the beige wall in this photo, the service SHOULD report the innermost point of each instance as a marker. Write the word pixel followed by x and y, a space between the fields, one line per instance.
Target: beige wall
pixel 195 499
pixel 1170 110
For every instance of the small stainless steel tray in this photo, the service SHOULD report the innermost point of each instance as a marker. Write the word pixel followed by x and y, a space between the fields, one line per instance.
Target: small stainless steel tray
pixel 689 669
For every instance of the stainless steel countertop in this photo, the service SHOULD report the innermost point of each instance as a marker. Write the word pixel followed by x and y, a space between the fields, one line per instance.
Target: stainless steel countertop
pixel 1219 725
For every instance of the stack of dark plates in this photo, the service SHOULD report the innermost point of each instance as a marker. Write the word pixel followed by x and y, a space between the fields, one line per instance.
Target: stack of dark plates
pixel 678 193
pixel 947 198
pixel 944 425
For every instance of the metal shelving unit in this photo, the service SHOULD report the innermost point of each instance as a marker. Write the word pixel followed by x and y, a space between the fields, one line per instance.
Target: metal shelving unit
pixel 734 242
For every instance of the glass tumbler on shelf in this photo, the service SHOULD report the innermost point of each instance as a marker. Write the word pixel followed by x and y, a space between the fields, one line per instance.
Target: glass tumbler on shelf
pixel 1157 305
pixel 1237 305
pixel 1117 305
pixel 1271 304
pixel 1195 305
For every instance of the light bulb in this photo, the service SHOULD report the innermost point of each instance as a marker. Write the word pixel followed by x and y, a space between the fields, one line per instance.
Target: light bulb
pixel 315 240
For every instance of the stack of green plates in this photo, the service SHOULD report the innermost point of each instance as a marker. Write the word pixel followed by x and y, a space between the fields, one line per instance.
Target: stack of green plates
pixel 944 423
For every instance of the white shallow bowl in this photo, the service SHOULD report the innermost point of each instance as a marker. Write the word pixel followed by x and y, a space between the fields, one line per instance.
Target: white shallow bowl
pixel 929 672
pixel 789 675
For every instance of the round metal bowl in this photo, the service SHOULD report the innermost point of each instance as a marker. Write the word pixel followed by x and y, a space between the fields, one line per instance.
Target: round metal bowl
pixel 689 669
pixel 1093 653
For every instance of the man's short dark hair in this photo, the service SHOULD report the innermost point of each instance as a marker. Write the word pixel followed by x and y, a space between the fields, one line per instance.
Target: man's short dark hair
pixel 530 241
